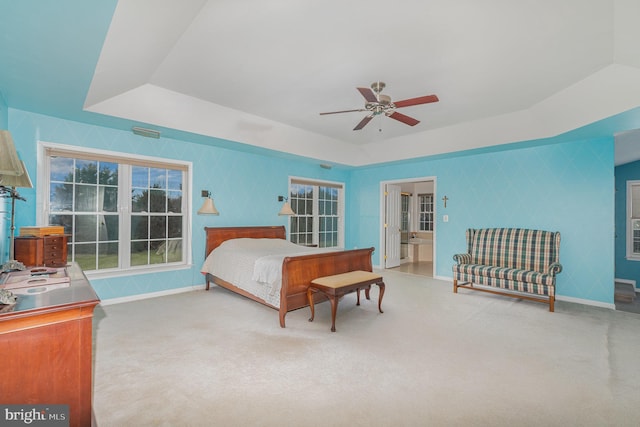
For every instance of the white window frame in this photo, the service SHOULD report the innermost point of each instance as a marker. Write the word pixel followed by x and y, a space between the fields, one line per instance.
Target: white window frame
pixel 341 210
pixel 631 255
pixel 42 203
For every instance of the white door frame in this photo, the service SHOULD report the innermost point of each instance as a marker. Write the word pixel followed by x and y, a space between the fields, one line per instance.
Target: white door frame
pixel 383 186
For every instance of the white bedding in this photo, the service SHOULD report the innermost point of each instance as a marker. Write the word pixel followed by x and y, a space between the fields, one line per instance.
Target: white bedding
pixel 254 265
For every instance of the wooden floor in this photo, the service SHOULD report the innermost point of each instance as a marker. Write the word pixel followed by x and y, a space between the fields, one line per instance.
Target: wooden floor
pixel 422 268
pixel 624 292
pixel 626 298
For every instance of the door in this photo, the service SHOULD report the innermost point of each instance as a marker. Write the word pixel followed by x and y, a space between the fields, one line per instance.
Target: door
pixel 392 226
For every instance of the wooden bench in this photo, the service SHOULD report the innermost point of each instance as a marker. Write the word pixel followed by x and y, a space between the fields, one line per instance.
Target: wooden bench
pixel 339 285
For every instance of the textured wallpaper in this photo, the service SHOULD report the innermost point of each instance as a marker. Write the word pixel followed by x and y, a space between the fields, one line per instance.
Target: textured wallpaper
pixel 566 186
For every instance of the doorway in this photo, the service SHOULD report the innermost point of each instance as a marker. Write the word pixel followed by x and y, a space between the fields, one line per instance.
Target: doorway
pixel 407 229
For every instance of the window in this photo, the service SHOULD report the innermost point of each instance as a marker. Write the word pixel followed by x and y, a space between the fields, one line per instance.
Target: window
pixel 319 212
pixel 633 221
pixel 425 214
pixel 121 213
pixel 405 201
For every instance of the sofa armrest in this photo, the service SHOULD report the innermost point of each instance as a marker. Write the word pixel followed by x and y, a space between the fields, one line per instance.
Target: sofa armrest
pixel 462 258
pixel 555 268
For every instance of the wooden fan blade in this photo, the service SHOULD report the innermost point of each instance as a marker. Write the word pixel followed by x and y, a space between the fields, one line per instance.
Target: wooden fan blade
pixel 416 101
pixel 343 111
pixel 363 123
pixel 368 94
pixel 404 119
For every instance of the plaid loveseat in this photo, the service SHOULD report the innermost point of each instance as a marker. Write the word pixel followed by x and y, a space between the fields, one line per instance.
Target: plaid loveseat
pixel 510 261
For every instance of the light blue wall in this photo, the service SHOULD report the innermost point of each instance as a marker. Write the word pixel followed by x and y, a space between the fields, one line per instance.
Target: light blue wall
pixel 4 113
pixel 566 187
pixel 625 269
pixel 4 124
pixel 245 186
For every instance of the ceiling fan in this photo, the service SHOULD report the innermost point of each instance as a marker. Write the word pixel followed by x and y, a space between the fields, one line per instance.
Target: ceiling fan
pixel 378 103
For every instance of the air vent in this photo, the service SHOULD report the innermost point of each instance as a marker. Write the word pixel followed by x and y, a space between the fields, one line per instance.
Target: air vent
pixel 148 133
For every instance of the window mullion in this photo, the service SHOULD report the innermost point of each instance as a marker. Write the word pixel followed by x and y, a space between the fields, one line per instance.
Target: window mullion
pixel 124 211
pixel 316 215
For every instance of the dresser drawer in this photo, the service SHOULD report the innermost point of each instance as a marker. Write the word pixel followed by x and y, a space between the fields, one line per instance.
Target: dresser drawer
pixel 55 259
pixel 54 243
pixel 55 251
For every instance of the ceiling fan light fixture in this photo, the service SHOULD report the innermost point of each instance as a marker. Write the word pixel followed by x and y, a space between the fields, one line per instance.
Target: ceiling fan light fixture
pixel 377 87
pixel 384 99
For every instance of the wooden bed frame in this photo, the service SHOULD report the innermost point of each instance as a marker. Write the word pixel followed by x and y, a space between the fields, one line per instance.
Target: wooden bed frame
pixel 297 271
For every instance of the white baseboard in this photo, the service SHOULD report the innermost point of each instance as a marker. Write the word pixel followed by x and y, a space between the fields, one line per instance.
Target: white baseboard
pixel 586 302
pixel 139 297
pixel 444 278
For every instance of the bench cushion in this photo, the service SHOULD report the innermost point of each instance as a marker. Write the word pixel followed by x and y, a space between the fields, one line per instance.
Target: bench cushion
pixel 507 278
pixel 346 279
pixel 506 273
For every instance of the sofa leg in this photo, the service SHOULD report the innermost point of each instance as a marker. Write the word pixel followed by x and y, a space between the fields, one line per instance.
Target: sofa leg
pixel 552 303
pixel 455 286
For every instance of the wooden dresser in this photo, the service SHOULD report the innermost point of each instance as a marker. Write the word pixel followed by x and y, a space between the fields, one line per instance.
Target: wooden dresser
pixel 49 251
pixel 46 346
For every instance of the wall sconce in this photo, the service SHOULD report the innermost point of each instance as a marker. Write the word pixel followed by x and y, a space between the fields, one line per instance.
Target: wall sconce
pixel 286 208
pixel 208 207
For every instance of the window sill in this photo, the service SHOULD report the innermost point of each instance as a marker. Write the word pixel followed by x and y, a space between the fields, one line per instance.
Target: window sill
pixel 136 271
pixel 633 258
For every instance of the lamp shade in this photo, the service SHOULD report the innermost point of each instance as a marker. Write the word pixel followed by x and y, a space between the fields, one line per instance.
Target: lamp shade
pixel 22 180
pixel 286 209
pixel 9 160
pixel 208 208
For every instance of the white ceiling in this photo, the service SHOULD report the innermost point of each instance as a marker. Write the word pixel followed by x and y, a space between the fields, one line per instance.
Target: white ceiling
pixel 260 72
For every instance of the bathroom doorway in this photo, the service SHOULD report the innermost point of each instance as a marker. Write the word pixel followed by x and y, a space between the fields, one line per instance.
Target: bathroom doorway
pixel 408 225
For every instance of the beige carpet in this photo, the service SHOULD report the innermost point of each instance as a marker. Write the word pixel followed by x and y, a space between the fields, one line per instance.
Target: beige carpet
pixel 212 358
